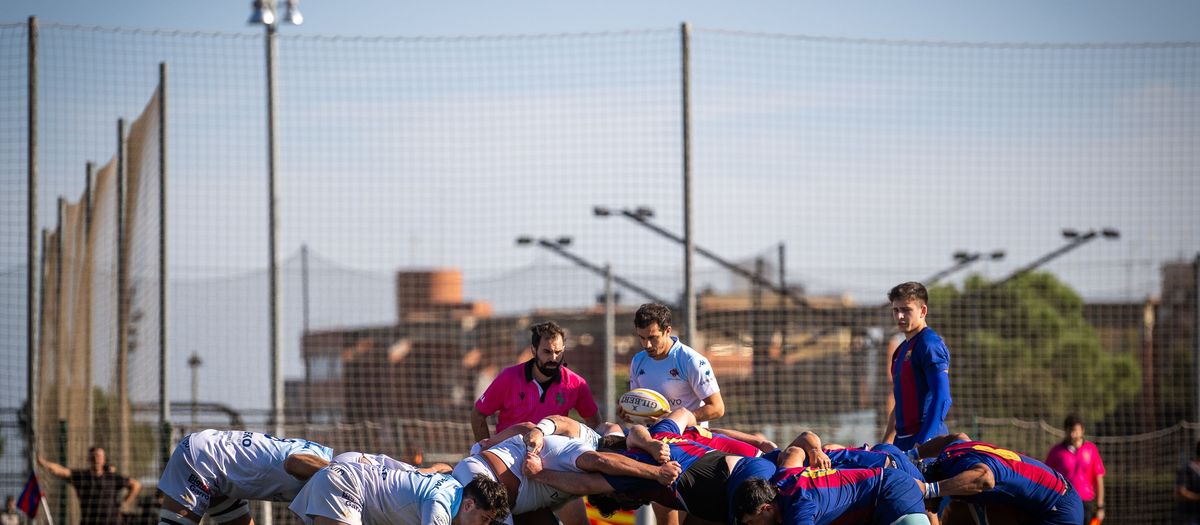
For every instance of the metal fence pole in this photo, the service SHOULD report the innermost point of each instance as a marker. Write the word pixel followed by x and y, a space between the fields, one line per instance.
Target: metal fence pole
pixel 273 249
pixel 1196 334
pixel 689 247
pixel 123 304
pixel 610 333
pixel 31 240
pixel 164 362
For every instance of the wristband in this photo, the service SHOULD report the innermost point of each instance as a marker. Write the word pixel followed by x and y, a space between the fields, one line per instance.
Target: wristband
pixel 547 426
pixel 932 490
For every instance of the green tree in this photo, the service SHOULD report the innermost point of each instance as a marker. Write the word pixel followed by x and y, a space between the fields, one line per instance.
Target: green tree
pixel 1025 350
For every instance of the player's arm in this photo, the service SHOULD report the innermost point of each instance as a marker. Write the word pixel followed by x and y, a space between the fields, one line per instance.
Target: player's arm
pixel 760 443
pixel 889 434
pixel 714 407
pixel 514 430
pixel 791 457
pixel 639 437
pixel 935 446
pixel 578 483
pixel 937 378
pixel 479 425
pixel 810 443
pixel 53 468
pixel 979 478
pixel 436 468
pixel 1183 494
pixel 620 465
pixel 594 420
pixel 303 466
pixel 134 488
pixel 1100 497
pixel 553 425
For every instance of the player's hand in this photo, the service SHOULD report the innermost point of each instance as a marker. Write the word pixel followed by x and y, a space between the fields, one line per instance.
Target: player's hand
pixel 623 415
pixel 485 443
pixel 1100 515
pixel 767 446
pixel 818 459
pixel 661 452
pixel 534 441
pixel 668 472
pixel 533 465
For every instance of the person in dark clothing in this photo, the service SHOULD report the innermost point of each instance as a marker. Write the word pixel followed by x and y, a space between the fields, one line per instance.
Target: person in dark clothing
pixel 98 488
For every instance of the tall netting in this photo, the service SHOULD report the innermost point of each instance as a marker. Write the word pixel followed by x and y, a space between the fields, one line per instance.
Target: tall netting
pixel 438 196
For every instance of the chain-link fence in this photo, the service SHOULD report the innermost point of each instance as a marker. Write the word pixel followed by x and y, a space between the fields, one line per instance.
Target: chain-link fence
pixel 437 196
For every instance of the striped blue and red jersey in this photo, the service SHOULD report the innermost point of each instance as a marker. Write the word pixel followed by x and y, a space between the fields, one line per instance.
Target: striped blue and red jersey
pixel 682 450
pixel 1021 481
pixel 921 385
pixel 843 497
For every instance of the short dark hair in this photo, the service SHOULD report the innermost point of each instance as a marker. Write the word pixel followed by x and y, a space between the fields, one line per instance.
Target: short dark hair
pixel 608 505
pixel 548 330
pixel 652 313
pixel 611 442
pixel 909 291
pixel 750 495
pixel 488 494
pixel 1071 420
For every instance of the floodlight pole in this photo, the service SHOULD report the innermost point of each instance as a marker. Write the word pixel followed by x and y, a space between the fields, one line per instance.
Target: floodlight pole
pixel 1074 240
pixel 558 249
pixel 689 246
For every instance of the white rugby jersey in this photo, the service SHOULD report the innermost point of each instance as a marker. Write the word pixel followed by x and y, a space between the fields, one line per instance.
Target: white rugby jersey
pixel 558 453
pixel 684 377
pixel 375 495
pixel 374 459
pixel 249 465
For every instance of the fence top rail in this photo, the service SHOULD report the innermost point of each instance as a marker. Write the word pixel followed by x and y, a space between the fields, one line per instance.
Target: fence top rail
pixel 1059 433
pixel 628 32
pixel 950 43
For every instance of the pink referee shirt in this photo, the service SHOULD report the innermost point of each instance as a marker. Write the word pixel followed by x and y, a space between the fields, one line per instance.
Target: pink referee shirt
pixel 518 397
pixel 1081 467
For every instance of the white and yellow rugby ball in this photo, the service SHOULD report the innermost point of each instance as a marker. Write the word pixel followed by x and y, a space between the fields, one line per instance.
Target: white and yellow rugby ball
pixel 642 406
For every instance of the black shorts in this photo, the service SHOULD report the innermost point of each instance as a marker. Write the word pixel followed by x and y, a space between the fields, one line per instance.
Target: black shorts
pixel 702 486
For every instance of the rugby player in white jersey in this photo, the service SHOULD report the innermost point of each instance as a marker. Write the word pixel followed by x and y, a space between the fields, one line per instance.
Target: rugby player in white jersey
pixel 530 500
pixel 387 461
pixel 214 472
pixel 361 494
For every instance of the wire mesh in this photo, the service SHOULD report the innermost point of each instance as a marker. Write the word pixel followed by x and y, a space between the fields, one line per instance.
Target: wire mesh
pixel 439 195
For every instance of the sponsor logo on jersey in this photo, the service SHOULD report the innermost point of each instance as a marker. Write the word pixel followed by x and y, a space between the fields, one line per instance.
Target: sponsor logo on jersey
pixel 440 518
pixel 351 501
pixel 674 373
pixel 641 372
pixel 199 484
pixel 560 398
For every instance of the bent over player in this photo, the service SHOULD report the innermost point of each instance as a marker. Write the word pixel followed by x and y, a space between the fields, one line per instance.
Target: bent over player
pixel 360 493
pixel 214 472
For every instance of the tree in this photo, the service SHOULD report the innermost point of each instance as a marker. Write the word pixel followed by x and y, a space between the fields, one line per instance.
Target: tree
pixel 1025 350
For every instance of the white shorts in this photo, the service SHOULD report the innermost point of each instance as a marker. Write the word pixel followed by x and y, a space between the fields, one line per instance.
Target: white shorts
pixel 182 483
pixel 332 493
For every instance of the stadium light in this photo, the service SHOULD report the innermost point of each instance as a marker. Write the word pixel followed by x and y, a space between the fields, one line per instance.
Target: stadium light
pixel 963 259
pixel 642 214
pixel 559 245
pixel 1075 239
pixel 265 12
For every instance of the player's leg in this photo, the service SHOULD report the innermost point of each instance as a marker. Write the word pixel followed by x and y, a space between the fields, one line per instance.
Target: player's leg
pixel 664 515
pixel 230 511
pixel 174 513
pixel 185 493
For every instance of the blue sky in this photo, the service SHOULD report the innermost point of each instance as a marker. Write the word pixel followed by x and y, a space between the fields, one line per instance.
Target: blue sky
pixel 1009 20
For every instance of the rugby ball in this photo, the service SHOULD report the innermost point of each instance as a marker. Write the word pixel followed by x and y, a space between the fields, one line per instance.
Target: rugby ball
pixel 642 405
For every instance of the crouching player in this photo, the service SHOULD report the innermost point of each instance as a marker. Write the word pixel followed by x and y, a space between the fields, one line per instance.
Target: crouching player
pixel 985 475
pixel 798 495
pixel 214 472
pixel 363 494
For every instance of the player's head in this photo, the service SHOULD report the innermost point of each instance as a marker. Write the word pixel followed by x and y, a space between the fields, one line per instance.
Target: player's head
pixel 608 504
pixel 754 502
pixel 612 443
pixel 10 503
pixel 549 347
pixel 910 303
pixel 652 323
pixel 484 501
pixel 1073 426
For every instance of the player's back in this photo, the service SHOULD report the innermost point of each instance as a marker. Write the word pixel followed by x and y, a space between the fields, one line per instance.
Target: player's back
pixel 829 496
pixel 249 465
pixel 721 442
pixel 1020 480
pixel 395 497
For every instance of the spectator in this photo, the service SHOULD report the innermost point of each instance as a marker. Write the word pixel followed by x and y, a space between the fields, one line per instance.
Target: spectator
pixel 12 516
pixel 98 488
pixel 1079 462
pixel 1187 491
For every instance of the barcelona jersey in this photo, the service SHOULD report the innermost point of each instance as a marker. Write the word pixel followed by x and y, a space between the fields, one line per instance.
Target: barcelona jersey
pixel 682 450
pixel 1021 481
pixel 921 386
pixel 842 497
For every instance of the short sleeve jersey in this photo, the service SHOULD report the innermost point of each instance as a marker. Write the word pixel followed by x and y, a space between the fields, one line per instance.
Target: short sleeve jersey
pixel 682 450
pixel 558 453
pixel 827 496
pixel 915 366
pixel 721 442
pixel 1081 467
pixel 1021 481
pixel 249 465
pixel 684 377
pixel 391 497
pixel 518 397
pixel 99 496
